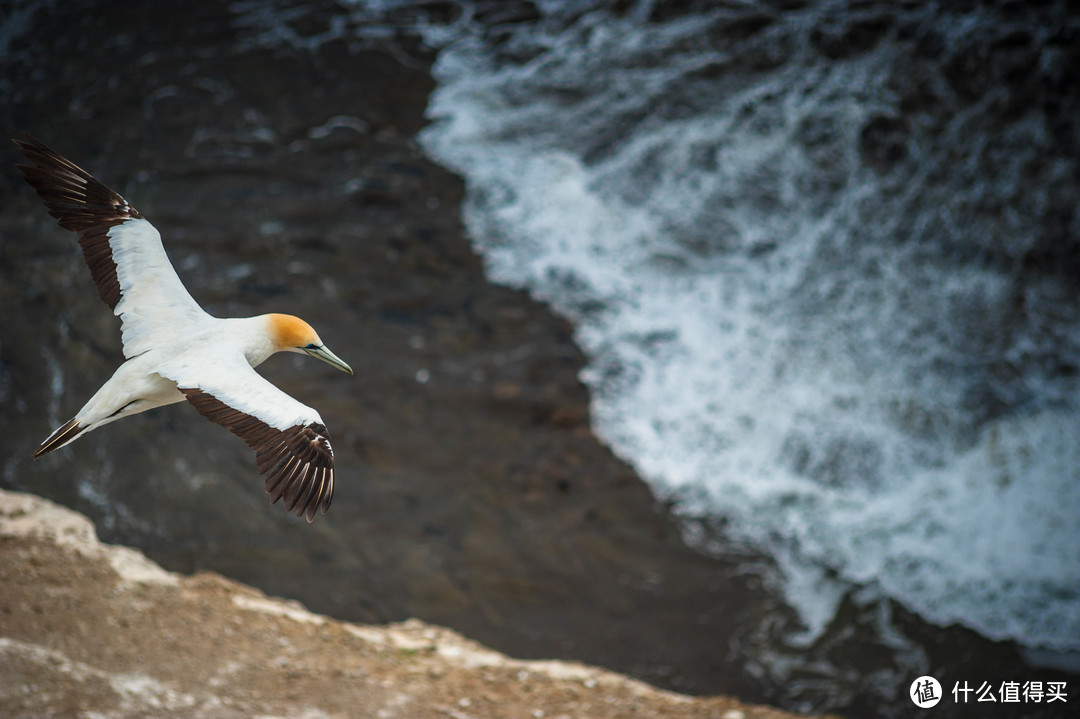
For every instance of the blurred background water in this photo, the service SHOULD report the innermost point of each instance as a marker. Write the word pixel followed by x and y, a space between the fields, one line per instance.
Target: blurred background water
pixel 824 261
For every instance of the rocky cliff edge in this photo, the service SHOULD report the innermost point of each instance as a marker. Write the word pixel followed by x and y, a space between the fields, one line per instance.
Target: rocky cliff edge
pixel 93 630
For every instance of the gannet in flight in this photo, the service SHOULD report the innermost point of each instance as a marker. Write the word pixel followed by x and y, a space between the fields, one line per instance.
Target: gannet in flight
pixel 176 351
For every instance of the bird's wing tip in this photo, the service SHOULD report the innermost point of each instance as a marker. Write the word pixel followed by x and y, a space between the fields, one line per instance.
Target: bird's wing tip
pixel 297 462
pixel 28 141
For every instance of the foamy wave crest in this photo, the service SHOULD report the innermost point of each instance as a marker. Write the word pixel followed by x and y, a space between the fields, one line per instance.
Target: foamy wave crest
pixel 797 269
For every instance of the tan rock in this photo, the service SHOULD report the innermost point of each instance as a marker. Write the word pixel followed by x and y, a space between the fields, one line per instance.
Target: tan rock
pixel 93 630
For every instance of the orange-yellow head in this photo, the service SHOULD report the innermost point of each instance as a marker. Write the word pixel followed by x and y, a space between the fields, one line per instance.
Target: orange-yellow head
pixel 292 334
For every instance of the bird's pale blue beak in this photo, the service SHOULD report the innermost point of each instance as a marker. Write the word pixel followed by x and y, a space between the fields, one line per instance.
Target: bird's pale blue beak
pixel 329 357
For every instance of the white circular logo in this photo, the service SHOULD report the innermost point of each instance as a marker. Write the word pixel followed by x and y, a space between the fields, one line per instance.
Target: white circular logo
pixel 925 692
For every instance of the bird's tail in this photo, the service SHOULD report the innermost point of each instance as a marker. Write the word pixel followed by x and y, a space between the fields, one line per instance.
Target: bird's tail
pixel 62 436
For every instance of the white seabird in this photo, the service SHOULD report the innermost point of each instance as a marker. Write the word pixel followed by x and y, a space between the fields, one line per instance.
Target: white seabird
pixel 176 351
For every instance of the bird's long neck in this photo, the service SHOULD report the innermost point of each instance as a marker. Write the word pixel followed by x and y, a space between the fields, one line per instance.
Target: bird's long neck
pixel 254 335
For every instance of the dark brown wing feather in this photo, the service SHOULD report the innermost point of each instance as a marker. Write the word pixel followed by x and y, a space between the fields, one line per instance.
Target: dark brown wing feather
pixel 81 204
pixel 298 463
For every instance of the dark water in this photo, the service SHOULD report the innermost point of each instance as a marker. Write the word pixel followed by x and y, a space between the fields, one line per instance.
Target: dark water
pixel 276 149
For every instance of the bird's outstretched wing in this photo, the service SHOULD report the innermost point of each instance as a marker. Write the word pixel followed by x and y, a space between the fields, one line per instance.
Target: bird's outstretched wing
pixel 122 249
pixel 291 443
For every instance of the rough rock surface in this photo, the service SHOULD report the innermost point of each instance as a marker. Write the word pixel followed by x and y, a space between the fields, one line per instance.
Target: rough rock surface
pixel 90 630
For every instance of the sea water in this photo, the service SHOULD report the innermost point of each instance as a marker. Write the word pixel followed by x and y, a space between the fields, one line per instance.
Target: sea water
pixel 798 271
pixel 822 257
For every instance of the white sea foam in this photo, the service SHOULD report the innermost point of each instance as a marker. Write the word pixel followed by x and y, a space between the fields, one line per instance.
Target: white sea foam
pixel 778 335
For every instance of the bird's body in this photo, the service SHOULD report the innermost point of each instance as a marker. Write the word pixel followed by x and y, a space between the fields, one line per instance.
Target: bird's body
pixel 176 351
pixel 208 345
